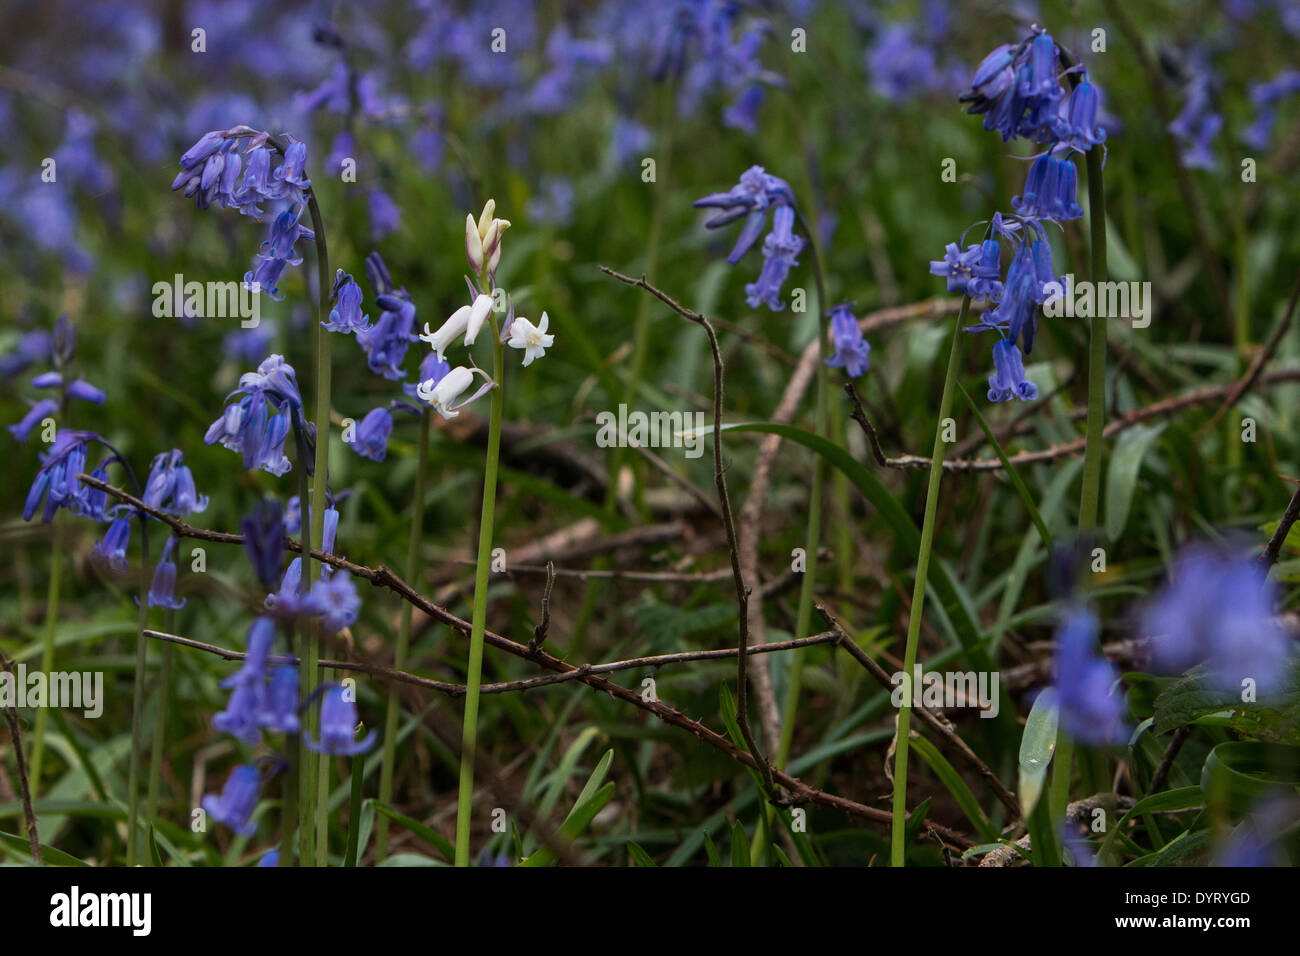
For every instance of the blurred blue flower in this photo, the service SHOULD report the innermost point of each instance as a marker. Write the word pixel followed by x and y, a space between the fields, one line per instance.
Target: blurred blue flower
pixel 162 591
pixel 1008 379
pixel 238 799
pixel 335 600
pixel 264 531
pixel 385 215
pixel 851 349
pixel 258 424
pixel 338 723
pixel 780 248
pixel 56 482
pixel 756 192
pixel 39 411
pixel 1220 608
pixel 279 713
pixel 387 341
pixel 110 550
pixel 1091 709
pixel 240 718
pixel 370 439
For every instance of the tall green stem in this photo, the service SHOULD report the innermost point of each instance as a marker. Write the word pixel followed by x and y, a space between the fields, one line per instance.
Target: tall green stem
pixel 403 639
pixel 137 701
pixel 297 784
pixel 898 833
pixel 47 650
pixel 1091 494
pixel 469 737
pixel 160 717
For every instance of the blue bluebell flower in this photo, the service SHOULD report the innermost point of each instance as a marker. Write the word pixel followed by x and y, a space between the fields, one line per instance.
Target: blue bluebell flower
pixel 1198 122
pixel 253 669
pixel 1092 711
pixel 370 439
pixel 1264 97
pixel 1018 90
pixel 240 718
pixel 258 424
pixel 957 266
pixel 385 215
pixel 1008 379
pixel 170 486
pixel 346 315
pixel 264 540
pixel 757 192
pixel 780 248
pixel 39 411
pixel 433 368
pixel 270 858
pixel 279 712
pixel 338 723
pixel 78 389
pixel 238 800
pixel 110 550
pixel 387 341
pixel 33 347
pixel 851 349
pixel 162 591
pixel 1220 608
pixel 1022 296
pixel 277 252
pixel 1078 129
pixel 1050 191
pixel 56 482
pixel 289 603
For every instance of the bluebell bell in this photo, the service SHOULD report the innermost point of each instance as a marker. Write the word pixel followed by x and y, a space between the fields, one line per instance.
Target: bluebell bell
pixel 33 347
pixel 335 601
pixel 78 389
pixel 279 712
pixel 1050 191
pixel 370 439
pixel 1198 122
pixel 385 215
pixel 386 343
pixel 170 486
pixel 433 369
pixel 1091 709
pixel 1264 97
pixel 985 272
pixel 258 424
pixel 240 718
pixel 346 315
pixel 264 540
pixel 1008 379
pixel 292 516
pixel 289 603
pixel 39 411
pixel 1018 90
pixel 270 858
pixel 238 800
pixel 56 482
pixel 957 266
pixel 1079 129
pixel 1220 608
pixel 110 550
pixel 253 669
pixel 756 192
pixel 338 723
pixel 162 591
pixel 277 252
pixel 780 248
pixel 851 349
pixel 1022 295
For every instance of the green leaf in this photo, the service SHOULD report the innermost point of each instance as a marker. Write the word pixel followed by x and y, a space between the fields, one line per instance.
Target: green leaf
pixel 951 596
pixel 1121 480
pixel 1194 697
pixel 49 855
pixel 427 834
pixel 1181 846
pixel 739 845
pixel 590 802
pixel 1239 772
pixel 1037 745
pixel 639 856
pixel 951 779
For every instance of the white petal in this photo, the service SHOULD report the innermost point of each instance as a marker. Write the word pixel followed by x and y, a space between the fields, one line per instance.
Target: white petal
pixel 478 314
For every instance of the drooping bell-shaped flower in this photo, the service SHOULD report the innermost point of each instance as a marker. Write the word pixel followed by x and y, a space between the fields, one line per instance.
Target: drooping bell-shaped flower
pixel 279 713
pixel 1008 379
pixel 533 339
pixel 162 591
pixel 338 723
pixel 238 800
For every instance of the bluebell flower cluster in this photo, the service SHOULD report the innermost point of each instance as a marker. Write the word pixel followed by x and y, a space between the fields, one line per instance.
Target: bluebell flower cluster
pixel 1265 98
pixel 1092 708
pixel 1019 92
pixel 370 437
pixel 258 423
pixel 1198 122
pixel 56 483
pixel 264 530
pixel 170 486
pixel 59 348
pixel 387 341
pixel 851 349
pixel 751 199
pixel 1220 609
pixel 213 171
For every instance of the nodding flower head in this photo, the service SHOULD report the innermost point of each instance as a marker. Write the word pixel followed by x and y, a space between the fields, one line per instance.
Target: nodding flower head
pixel 756 192
pixel 1079 129
pixel 851 349
pixel 443 395
pixel 39 411
pixel 346 315
pixel 238 800
pixel 1092 710
pixel 432 369
pixel 466 320
pixel 1008 379
pixel 1050 191
pixel 258 424
pixel 386 342
pixel 957 266
pixel 170 486
pixel 279 709
pixel 264 540
pixel 110 550
pixel 369 437
pixel 1022 295
pixel 162 592
pixel 1018 90
pixel 56 482
pixel 338 724
pixel 780 248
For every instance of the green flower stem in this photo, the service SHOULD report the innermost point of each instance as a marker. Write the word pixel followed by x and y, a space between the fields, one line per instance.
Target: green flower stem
pixel 812 533
pixel 1090 496
pixel 137 701
pixel 297 785
pixel 47 650
pixel 290 811
pixel 314 763
pixel 469 737
pixel 403 639
pixel 896 846
pixel 160 717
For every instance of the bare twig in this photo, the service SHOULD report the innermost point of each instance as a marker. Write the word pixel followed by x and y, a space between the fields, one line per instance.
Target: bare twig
pixel 539 632
pixel 24 784
pixel 1167 761
pixel 1274 549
